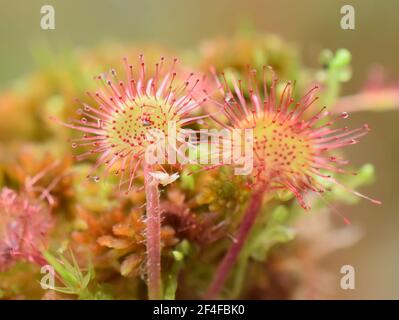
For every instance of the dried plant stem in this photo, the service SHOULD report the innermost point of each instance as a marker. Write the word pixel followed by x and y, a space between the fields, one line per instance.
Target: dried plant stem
pixel 153 235
pixel 231 256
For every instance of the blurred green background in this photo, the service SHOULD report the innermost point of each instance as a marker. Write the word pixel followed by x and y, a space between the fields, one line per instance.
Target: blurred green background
pixel 311 25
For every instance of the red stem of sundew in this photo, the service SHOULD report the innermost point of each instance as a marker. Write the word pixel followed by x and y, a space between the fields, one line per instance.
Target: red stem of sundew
pixel 230 258
pixel 153 232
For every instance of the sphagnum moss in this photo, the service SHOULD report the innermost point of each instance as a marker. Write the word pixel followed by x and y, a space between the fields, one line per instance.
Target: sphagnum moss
pixel 194 211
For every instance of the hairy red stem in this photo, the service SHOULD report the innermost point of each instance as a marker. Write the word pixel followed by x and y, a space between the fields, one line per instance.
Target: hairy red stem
pixel 153 235
pixel 230 258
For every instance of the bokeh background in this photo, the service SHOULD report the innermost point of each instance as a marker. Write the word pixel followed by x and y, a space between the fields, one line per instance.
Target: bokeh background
pixel 310 25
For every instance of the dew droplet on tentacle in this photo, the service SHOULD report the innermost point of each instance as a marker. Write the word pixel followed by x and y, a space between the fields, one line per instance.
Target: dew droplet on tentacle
pixel 344 115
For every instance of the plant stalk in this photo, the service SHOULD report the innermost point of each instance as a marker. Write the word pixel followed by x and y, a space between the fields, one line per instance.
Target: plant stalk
pixel 153 235
pixel 231 256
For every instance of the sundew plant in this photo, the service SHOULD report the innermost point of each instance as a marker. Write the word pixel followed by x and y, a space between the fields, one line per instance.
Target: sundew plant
pixel 121 173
